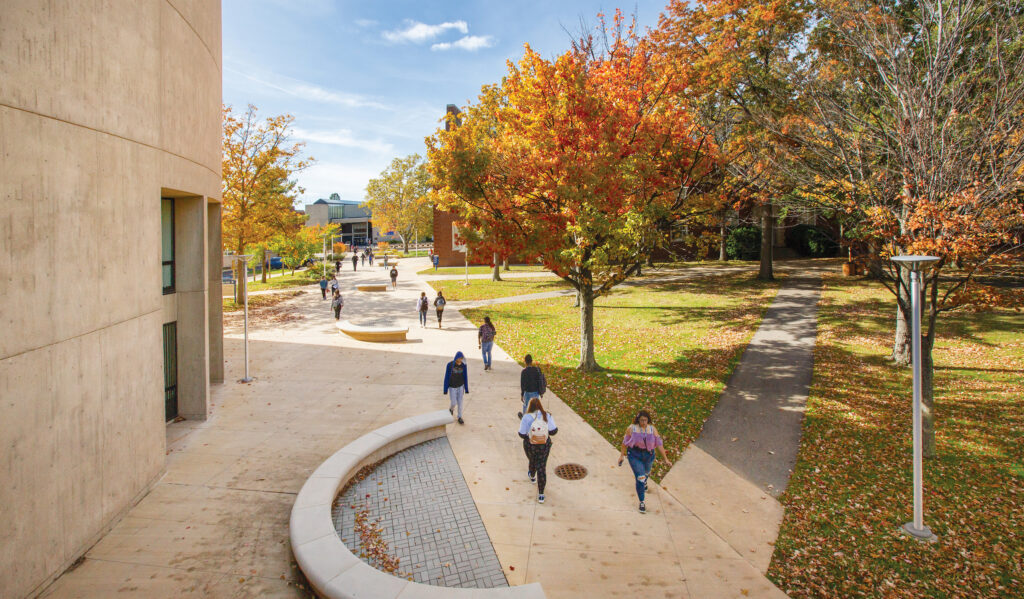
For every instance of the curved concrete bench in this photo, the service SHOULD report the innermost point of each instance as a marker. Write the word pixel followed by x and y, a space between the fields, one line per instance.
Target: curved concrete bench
pixel 331 568
pixel 372 287
pixel 370 333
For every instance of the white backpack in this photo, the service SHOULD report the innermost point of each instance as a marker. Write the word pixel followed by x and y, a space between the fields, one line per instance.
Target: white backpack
pixel 538 430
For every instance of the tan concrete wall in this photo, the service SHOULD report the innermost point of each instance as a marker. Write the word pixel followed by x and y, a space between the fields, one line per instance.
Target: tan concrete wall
pixel 104 105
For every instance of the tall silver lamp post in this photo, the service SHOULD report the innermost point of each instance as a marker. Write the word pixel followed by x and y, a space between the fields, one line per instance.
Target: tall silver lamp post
pixel 915 264
pixel 245 297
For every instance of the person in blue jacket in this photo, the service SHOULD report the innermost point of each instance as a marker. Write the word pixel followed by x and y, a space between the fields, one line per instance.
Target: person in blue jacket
pixel 456 383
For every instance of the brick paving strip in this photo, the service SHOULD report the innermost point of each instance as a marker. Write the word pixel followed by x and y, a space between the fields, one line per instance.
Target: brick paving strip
pixel 421 503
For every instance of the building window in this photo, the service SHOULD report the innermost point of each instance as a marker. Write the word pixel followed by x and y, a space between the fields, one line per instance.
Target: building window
pixel 167 234
pixel 170 371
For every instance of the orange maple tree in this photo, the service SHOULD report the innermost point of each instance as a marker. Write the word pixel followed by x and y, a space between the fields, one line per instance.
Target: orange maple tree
pixel 583 162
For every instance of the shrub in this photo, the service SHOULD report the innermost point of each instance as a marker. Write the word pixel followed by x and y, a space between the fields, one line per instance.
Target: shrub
pixel 744 243
pixel 811 241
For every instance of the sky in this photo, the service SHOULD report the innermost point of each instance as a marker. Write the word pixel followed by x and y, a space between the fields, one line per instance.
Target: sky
pixel 368 81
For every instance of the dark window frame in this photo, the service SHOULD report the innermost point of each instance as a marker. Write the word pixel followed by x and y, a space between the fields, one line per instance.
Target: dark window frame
pixel 174 250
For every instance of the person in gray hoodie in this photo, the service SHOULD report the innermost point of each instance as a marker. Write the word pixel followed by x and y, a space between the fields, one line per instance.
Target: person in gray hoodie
pixel 456 383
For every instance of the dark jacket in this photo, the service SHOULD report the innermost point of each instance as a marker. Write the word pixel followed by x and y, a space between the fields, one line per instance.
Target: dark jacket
pixel 532 379
pixel 448 373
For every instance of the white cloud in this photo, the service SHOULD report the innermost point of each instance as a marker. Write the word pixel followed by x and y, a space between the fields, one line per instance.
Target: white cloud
pixel 309 91
pixel 417 32
pixel 471 43
pixel 347 180
pixel 344 138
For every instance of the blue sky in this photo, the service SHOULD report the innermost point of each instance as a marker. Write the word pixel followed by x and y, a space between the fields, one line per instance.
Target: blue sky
pixel 367 81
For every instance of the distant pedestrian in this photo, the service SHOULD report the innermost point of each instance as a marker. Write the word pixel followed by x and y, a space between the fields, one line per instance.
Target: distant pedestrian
pixel 436 259
pixel 531 382
pixel 638 445
pixel 337 266
pixel 337 303
pixel 323 286
pixel 355 260
pixel 456 383
pixel 536 428
pixel 362 259
pixel 422 305
pixel 485 340
pixel 334 286
pixel 394 277
pixel 370 257
pixel 439 303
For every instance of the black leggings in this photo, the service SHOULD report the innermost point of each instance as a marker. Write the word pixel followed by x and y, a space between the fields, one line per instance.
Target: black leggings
pixel 538 456
pixel 440 313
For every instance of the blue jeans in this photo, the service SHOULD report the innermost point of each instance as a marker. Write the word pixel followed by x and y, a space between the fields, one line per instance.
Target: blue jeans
pixel 486 347
pixel 456 395
pixel 640 460
pixel 423 317
pixel 527 397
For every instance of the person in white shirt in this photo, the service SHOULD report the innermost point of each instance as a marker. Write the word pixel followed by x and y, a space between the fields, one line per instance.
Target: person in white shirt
pixel 536 429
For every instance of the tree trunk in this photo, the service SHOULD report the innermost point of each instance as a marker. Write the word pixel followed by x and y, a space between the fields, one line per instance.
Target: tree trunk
pixel 721 242
pixel 767 243
pixel 405 244
pixel 264 264
pixel 504 265
pixel 577 304
pixel 901 348
pixel 650 260
pixel 240 276
pixel 587 361
pixel 927 399
pixel 496 275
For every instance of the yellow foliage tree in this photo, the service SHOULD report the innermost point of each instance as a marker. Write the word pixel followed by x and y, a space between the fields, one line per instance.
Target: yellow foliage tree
pixel 258 190
pixel 398 198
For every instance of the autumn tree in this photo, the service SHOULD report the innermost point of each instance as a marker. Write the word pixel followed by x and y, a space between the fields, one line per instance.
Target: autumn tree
pixel 297 247
pixel 738 56
pixel 258 187
pixel 398 198
pixel 912 123
pixel 574 161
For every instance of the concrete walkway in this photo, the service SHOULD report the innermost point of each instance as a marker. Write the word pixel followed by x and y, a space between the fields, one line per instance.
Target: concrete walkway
pixel 216 524
pixel 742 460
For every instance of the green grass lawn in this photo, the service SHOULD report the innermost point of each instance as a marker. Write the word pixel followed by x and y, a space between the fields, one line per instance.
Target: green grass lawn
pixel 666 347
pixel 480 270
pixel 282 281
pixel 851 487
pixel 482 289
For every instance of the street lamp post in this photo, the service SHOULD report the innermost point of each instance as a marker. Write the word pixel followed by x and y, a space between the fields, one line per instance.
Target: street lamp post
pixel 245 297
pixel 914 264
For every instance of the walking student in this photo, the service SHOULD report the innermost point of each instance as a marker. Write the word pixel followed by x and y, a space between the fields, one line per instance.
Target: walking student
pixel 439 303
pixel 638 445
pixel 355 260
pixel 536 428
pixel 394 277
pixel 485 340
pixel 337 303
pixel 422 305
pixel 323 286
pixel 531 383
pixel 456 383
pixel 362 259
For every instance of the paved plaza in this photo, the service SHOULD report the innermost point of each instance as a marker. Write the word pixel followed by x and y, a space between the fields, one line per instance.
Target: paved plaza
pixel 216 525
pixel 426 515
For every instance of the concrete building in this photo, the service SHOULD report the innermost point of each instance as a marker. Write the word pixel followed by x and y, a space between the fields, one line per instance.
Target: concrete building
pixel 110 153
pixel 355 221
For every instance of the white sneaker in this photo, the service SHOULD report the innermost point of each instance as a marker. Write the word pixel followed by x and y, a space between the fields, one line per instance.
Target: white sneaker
pixel 540 499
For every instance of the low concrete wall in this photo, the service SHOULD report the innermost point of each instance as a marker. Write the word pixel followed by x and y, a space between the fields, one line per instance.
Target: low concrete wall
pixel 332 570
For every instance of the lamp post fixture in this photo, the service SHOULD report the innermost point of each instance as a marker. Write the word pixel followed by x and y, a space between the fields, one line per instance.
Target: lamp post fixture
pixel 245 297
pixel 915 264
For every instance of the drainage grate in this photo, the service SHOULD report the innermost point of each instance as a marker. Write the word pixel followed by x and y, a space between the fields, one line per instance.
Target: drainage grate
pixel 570 471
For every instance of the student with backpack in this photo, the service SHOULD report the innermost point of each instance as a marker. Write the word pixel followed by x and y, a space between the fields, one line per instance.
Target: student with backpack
pixel 439 303
pixel 323 286
pixel 456 383
pixel 638 445
pixel 536 429
pixel 485 340
pixel 394 277
pixel 531 383
pixel 337 304
pixel 422 305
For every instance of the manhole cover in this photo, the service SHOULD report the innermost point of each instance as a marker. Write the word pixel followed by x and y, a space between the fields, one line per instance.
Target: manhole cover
pixel 570 471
